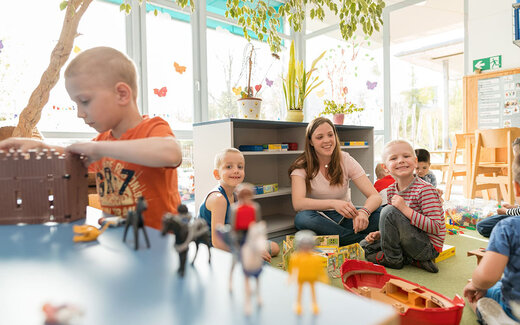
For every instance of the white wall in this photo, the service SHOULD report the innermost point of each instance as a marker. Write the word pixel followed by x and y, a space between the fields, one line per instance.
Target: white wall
pixel 490 32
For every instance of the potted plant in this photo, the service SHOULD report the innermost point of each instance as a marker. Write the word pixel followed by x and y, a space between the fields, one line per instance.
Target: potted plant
pixel 297 85
pixel 249 103
pixel 338 111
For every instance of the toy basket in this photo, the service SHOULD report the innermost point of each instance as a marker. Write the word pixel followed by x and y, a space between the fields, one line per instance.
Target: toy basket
pixel 466 212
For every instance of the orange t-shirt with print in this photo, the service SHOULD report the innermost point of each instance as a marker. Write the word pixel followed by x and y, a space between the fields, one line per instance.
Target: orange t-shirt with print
pixel 120 184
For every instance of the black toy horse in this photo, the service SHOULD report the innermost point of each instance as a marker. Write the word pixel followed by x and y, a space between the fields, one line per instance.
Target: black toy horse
pixel 197 231
pixel 134 218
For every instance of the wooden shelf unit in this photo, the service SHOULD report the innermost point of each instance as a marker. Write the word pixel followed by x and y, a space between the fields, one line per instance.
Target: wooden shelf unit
pixel 267 167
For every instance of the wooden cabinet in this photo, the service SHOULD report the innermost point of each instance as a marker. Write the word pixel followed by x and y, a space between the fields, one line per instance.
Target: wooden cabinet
pixel 267 167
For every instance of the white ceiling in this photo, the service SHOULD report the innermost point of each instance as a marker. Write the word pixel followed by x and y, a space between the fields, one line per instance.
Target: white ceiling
pixel 425 33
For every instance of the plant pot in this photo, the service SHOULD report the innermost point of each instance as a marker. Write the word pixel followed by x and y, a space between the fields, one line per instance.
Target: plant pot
pixel 294 115
pixel 250 107
pixel 338 119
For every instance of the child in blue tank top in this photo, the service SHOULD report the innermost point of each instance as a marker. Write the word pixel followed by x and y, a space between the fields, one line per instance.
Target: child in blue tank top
pixel 229 172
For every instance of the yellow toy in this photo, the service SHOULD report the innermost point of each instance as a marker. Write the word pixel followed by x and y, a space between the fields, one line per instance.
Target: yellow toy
pixel 305 266
pixel 88 233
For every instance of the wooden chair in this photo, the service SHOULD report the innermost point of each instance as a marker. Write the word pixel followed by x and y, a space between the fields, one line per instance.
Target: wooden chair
pixel 455 169
pixel 501 177
pixel 442 166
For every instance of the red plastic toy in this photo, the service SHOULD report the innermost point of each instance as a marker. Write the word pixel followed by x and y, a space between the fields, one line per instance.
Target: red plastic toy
pixel 416 304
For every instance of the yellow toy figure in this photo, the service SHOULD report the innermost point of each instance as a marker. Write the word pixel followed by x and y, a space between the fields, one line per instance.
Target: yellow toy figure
pixel 88 233
pixel 305 266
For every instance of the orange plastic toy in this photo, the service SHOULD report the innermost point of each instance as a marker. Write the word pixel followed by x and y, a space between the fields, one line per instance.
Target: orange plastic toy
pixel 306 267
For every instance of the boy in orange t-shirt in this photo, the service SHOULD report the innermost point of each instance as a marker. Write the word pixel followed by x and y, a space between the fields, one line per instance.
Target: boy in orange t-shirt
pixel 133 155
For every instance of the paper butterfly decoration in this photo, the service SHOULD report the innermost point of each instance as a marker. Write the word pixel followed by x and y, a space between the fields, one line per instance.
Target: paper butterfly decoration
pixel 258 87
pixel 76 49
pixel 179 68
pixel 371 85
pixel 160 92
pixel 237 90
pixel 269 82
pixel 321 93
pixel 1 46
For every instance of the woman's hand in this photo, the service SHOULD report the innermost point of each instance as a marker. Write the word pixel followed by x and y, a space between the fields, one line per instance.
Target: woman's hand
pixel 346 209
pixel 360 222
pixel 501 211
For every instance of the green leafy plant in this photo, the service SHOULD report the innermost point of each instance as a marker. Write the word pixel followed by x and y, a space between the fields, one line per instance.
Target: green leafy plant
pixel 331 108
pixel 299 83
pixel 263 19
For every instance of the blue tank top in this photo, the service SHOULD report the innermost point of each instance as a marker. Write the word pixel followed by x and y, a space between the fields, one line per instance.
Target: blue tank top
pixel 205 214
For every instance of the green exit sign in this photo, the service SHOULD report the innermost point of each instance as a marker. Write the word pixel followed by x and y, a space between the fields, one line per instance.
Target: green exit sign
pixel 491 63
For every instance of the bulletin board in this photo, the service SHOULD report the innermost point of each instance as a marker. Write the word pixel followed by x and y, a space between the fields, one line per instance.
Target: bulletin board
pixel 492 100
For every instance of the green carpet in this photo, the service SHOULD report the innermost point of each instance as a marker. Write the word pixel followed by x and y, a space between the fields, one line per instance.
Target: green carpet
pixel 453 275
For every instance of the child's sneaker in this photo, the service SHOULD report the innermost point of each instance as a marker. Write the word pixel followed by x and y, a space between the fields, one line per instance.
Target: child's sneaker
pixel 429 265
pixel 492 313
pixel 380 258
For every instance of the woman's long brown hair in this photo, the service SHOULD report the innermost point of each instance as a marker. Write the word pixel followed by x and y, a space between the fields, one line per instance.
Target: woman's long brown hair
pixel 308 160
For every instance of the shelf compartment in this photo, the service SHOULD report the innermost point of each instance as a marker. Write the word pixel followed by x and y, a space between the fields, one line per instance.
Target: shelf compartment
pixel 278 223
pixel 266 153
pixel 281 191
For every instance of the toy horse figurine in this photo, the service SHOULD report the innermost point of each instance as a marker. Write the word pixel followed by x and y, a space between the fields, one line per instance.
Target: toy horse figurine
pixel 252 261
pixel 197 231
pixel 135 219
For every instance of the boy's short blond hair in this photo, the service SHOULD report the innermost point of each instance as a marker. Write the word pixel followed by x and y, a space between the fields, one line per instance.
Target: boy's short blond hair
pixel 219 157
pixel 394 142
pixel 380 171
pixel 107 65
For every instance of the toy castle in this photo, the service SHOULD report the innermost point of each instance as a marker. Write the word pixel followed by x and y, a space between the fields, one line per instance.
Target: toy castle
pixel 38 187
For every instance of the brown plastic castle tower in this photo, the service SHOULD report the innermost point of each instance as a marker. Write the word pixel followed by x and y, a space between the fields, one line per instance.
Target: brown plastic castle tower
pixel 38 187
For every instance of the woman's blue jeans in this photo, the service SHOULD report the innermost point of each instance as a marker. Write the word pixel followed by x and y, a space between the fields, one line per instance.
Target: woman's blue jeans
pixel 312 220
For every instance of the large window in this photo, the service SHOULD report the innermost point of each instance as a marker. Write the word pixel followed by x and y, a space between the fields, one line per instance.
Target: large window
pixel 26 54
pixel 228 71
pixel 350 73
pixel 169 68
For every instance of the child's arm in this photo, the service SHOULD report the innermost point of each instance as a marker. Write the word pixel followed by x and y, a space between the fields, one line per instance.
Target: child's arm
pixel 217 204
pixel 513 211
pixel 151 152
pixel 432 220
pixel 487 273
pixel 25 144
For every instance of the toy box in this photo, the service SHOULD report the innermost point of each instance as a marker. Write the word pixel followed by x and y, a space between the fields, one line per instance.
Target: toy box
pixel 466 212
pixel 354 143
pixel 292 145
pixel 266 188
pixel 447 252
pixel 251 147
pixel 328 248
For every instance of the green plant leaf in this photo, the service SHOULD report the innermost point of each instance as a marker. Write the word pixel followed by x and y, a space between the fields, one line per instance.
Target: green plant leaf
pixel 63 5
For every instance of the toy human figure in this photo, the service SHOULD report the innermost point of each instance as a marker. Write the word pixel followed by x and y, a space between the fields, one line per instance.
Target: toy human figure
pixel 244 212
pixel 135 219
pixel 304 266
pixel 252 261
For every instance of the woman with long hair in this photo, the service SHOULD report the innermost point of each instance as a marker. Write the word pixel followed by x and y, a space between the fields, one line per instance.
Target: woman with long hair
pixel 320 188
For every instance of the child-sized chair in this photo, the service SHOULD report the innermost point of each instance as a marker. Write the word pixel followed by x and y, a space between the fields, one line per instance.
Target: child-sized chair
pixel 500 169
pixel 460 142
